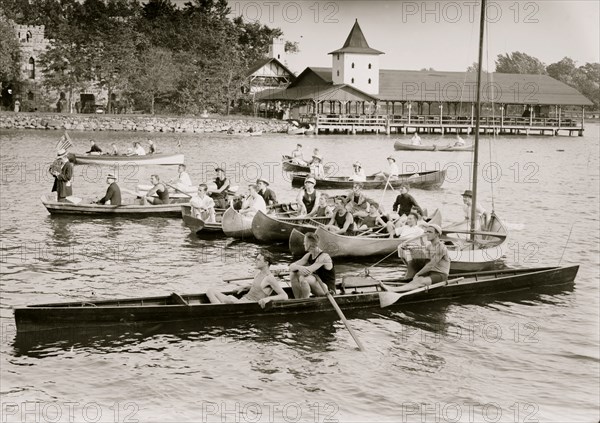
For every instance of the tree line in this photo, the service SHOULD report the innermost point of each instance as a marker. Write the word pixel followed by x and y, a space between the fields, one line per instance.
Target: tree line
pixel 584 78
pixel 166 59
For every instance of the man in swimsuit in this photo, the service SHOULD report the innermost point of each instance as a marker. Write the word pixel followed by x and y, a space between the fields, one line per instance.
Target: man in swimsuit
pixel 314 273
pixel 220 194
pixel 437 268
pixel 113 193
pixel 260 290
pixel 342 220
pixel 158 189
pixel 308 198
pixel 265 192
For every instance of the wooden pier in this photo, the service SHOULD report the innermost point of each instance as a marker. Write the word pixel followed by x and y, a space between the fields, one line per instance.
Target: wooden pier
pixel 436 124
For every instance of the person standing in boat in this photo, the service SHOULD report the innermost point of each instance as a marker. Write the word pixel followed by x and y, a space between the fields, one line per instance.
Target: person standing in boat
pixel 437 268
pixel 342 220
pixel 253 203
pixel 405 202
pixel 94 149
pixel 308 198
pixel 314 273
pixel 220 194
pixel 203 207
pixel 481 216
pixel 359 173
pixel 63 176
pixel 113 192
pixel 183 180
pixel 259 291
pixel 265 192
pixel 160 190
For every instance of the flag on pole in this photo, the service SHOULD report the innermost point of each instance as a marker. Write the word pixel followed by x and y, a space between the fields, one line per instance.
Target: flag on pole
pixel 64 143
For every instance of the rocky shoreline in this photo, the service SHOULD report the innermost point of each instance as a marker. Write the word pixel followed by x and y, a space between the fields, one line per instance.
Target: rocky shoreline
pixel 81 122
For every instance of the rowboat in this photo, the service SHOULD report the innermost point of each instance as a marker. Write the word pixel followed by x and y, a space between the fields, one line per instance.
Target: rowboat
pixel 110 160
pixel 198 225
pixel 268 228
pixel 399 145
pixel 357 293
pixel 337 245
pixel 288 164
pixel 133 208
pixel 237 225
pixel 431 179
pixel 484 253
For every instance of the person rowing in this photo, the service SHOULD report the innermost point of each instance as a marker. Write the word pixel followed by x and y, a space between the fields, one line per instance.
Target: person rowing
pixel 260 290
pixel 113 192
pixel 308 198
pixel 203 207
pixel 314 273
pixel 220 194
pixel 160 190
pixel 437 268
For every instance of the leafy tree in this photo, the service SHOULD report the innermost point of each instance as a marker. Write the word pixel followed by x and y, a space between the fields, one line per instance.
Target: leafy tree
pixel 518 62
pixel 9 53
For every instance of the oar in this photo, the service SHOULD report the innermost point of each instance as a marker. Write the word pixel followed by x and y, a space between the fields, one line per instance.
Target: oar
pixel 177 189
pixel 341 315
pixel 387 298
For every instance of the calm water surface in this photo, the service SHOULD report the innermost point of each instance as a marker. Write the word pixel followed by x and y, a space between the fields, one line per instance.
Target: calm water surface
pixel 514 359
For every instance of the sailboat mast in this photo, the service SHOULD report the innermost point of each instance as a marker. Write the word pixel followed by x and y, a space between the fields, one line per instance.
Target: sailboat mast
pixel 477 119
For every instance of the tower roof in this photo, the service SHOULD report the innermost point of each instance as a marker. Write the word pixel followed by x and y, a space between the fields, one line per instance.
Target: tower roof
pixel 356 43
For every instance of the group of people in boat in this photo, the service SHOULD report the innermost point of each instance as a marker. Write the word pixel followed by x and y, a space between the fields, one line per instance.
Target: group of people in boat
pixel 136 150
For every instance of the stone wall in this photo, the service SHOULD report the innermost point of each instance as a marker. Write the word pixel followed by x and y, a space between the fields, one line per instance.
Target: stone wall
pixel 80 122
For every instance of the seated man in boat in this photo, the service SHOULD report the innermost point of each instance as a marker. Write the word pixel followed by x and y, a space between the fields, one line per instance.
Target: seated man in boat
pixel 314 273
pixel 393 170
pixel 405 202
pixel 325 207
pixel 416 139
pixel 357 201
pixel 408 230
pixel 203 207
pixel 115 150
pixel 342 220
pixel 316 167
pixel 183 181
pixel 113 192
pixel 297 156
pixel 151 147
pixel 265 192
pixel 308 198
pixel 372 220
pixel 160 190
pixel 259 291
pixel 94 149
pixel 437 268
pixel 220 194
pixel 138 150
pixel 481 216
pixel 459 142
pixel 359 173
pixel 253 203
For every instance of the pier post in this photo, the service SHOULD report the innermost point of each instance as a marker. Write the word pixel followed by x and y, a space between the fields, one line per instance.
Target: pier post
pixel 582 120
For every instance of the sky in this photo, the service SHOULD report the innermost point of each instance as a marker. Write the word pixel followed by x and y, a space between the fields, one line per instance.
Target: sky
pixel 433 34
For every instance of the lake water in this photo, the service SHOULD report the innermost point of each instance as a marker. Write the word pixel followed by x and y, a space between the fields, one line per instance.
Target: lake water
pixel 515 359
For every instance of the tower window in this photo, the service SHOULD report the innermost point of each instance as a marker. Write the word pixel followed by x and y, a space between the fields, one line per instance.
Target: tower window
pixel 369 66
pixel 352 65
pixel 369 80
pixel 30 96
pixel 352 80
pixel 338 73
pixel 31 68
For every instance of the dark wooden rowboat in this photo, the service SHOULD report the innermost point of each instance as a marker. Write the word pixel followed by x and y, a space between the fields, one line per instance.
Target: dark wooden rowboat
pixel 135 208
pixel 197 225
pixel 269 228
pixel 398 145
pixel 360 293
pixel 288 165
pixel 431 179
pixel 148 159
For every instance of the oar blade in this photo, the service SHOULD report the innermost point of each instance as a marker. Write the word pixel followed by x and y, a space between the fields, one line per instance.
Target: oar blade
pixel 388 298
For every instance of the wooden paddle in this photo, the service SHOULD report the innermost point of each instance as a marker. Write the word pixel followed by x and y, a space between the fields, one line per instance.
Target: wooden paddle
pixel 387 298
pixel 177 189
pixel 341 315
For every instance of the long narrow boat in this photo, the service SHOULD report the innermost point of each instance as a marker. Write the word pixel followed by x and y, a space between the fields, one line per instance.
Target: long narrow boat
pixel 399 145
pixel 197 225
pixel 237 225
pixel 359 293
pixel 288 164
pixel 135 208
pixel 148 159
pixel 337 245
pixel 485 252
pixel 431 179
pixel 268 228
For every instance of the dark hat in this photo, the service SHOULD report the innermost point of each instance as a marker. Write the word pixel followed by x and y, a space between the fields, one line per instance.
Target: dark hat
pixel 264 181
pixel 468 193
pixel 219 169
pixel 111 176
pixel 299 145
pixel 391 158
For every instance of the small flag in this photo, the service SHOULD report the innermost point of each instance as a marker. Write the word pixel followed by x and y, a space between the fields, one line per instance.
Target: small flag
pixel 64 143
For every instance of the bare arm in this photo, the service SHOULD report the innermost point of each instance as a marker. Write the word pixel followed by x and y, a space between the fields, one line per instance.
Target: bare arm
pixel 154 189
pixel 435 259
pixel 315 205
pixel 281 294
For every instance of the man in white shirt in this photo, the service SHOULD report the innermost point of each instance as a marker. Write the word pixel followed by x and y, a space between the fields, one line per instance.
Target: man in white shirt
pixel 394 171
pixel 254 203
pixel 203 207
pixel 183 181
pixel 316 167
pixel 359 173
pixel 479 210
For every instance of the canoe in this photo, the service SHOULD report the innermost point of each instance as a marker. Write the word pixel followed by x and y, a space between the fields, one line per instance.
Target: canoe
pixel 398 145
pixel 134 208
pixel 486 253
pixel 431 179
pixel 294 130
pixel 197 225
pixel 288 165
pixel 360 293
pixel 149 159
pixel 337 245
pixel 269 228
pixel 236 225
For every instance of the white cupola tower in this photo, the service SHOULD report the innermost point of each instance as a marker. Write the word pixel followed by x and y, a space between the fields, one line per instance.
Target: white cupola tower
pixel 356 63
pixel 277 49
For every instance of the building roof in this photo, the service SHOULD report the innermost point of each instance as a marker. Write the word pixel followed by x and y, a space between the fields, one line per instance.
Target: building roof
pixel 260 63
pixel 322 92
pixel 433 86
pixel 356 43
